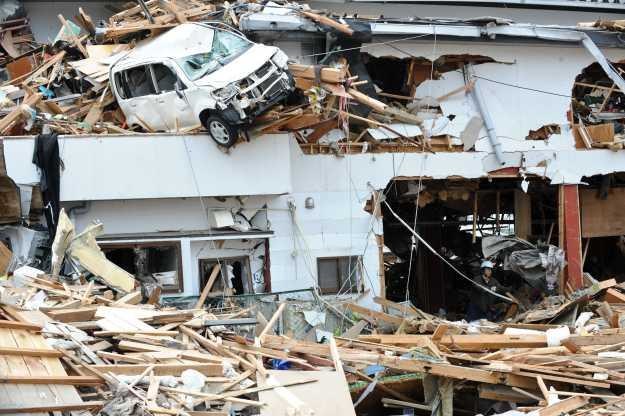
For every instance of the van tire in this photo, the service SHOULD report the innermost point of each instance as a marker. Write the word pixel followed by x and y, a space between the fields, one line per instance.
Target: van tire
pixel 222 132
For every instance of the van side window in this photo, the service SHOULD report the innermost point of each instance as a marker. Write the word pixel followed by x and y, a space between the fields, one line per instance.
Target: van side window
pixel 122 86
pixel 165 78
pixel 139 81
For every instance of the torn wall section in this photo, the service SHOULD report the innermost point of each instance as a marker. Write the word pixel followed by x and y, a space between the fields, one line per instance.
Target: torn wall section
pixel 524 88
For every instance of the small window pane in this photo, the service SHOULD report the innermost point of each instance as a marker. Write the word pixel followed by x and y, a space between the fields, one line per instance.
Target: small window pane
pixel 328 275
pixel 122 88
pixel 349 272
pixel 165 78
pixel 139 82
pixel 339 274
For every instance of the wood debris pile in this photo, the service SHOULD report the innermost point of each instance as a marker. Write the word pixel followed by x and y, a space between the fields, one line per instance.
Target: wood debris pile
pixel 65 86
pixel 87 344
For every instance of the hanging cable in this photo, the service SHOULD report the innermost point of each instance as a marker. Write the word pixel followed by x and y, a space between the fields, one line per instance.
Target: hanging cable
pixel 429 247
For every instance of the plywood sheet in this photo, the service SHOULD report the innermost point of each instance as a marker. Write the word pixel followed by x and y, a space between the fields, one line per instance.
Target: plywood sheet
pixel 328 396
pixel 602 217
pixel 5 258
pixel 16 395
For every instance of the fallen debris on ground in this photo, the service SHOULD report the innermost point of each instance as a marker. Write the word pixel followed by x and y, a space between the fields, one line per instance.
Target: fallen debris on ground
pixel 84 342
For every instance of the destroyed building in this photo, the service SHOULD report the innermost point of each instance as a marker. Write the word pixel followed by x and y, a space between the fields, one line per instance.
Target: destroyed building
pixel 411 149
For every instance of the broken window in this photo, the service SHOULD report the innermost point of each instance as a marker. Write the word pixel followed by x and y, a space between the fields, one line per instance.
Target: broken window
pixel 226 46
pixel 235 278
pixel 139 81
pixel 121 85
pixel 165 78
pixel 159 262
pixel 337 275
pixel 597 109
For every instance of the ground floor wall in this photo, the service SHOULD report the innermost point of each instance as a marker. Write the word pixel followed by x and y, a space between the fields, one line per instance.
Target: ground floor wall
pixel 290 234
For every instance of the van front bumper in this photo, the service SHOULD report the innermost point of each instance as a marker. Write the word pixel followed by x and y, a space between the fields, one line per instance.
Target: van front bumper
pixel 243 112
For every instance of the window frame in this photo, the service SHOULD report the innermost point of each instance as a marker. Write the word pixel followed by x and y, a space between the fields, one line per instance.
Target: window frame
pixel 174 289
pixel 147 67
pixel 249 279
pixel 155 82
pixel 356 288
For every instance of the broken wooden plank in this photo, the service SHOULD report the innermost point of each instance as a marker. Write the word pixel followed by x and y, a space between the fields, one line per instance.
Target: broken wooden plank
pixel 30 352
pixel 19 325
pixel 209 285
pixel 52 407
pixel 210 370
pixel 62 380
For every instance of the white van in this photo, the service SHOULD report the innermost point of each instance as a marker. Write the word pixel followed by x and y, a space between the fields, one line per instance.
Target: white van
pixel 199 73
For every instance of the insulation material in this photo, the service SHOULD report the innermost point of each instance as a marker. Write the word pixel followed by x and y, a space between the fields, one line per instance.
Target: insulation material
pixel 84 250
pixel 406 130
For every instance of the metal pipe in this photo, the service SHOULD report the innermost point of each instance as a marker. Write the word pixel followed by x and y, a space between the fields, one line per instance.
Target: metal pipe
pixel 483 110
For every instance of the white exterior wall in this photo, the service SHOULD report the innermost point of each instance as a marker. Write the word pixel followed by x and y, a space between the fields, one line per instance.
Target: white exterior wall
pixel 43 15
pixel 460 11
pixel 146 183
pixel 159 166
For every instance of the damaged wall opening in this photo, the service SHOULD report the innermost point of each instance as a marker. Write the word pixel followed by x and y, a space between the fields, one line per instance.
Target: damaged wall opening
pixel 159 262
pixel 603 226
pixel 466 221
pixel 598 109
pixel 235 276
pixel 402 76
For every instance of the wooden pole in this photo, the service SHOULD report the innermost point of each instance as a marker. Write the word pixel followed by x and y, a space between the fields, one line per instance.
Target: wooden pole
pixel 381 277
pixel 208 287
pixel 572 235
pixel 474 238
pixel 272 321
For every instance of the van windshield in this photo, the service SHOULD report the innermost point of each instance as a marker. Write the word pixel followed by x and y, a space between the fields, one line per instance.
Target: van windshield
pixel 226 46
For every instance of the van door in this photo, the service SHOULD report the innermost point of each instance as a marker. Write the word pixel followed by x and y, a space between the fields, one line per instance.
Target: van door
pixel 173 105
pixel 140 106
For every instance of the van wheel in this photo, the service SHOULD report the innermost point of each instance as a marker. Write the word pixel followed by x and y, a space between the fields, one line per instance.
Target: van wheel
pixel 224 133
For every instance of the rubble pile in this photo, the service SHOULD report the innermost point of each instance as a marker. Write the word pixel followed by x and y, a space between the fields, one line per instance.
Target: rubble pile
pixel 97 340
pixel 65 86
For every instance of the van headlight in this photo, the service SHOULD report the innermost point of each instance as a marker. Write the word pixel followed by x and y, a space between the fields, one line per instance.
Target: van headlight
pixel 280 59
pixel 225 93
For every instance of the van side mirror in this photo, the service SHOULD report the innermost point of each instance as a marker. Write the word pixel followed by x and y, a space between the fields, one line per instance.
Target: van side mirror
pixel 178 89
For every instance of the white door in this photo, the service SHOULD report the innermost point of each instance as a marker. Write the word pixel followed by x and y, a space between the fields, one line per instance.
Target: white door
pixel 173 105
pixel 140 103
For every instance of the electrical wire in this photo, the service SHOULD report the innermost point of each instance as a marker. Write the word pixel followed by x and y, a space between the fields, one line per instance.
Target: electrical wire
pixel 414 246
pixel 368 45
pixel 522 87
pixel 454 268
pixel 205 211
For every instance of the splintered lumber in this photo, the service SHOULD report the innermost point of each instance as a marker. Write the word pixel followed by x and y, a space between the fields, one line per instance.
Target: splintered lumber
pixel 272 321
pixel 458 372
pixel 326 21
pixel 377 105
pixel 30 352
pixel 19 325
pixel 7 121
pixel 380 316
pixel 327 74
pixel 614 296
pixel 208 287
pixel 564 406
pixel 210 370
pixel 85 313
pixel 62 380
pixel 137 332
pixel 129 299
pixel 581 341
pixel 439 332
pixel 464 342
pixel 52 407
